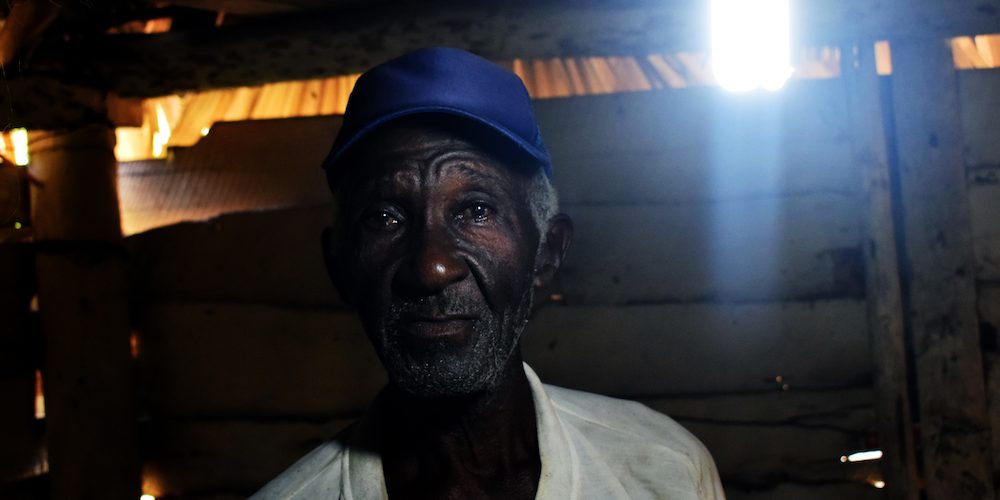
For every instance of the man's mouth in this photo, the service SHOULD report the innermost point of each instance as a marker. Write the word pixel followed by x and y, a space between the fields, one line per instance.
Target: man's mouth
pixel 438 326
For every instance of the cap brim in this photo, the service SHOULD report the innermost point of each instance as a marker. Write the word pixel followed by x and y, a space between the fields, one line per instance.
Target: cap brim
pixel 339 150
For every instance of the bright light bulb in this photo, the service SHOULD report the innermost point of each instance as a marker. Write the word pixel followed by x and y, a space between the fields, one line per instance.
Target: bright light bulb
pixel 750 44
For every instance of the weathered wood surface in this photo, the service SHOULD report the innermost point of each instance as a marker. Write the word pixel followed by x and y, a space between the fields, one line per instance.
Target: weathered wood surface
pixel 352 38
pixel 883 292
pixel 80 265
pixel 227 259
pixel 955 431
pixel 989 318
pixel 984 203
pixel 699 144
pixel 699 117
pixel 76 171
pixel 761 249
pixel 795 436
pixel 215 360
pixel 49 103
pixel 979 98
pixel 700 348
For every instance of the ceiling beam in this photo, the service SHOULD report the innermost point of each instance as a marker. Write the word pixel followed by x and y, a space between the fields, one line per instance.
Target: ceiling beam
pixel 317 44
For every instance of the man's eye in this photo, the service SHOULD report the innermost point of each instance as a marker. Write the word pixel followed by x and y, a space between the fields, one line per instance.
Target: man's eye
pixel 381 219
pixel 476 212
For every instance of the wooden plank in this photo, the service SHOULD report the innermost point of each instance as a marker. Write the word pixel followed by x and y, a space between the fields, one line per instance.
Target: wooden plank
pixel 989 318
pixel 253 360
pixel 200 458
pixel 349 39
pixel 49 103
pixel 886 320
pixel 693 118
pixel 942 298
pixel 758 249
pixel 228 260
pixel 700 348
pixel 628 148
pixel 733 427
pixel 696 175
pixel 978 97
pixel 984 205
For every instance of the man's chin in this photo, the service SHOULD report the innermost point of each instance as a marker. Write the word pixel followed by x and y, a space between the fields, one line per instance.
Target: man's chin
pixel 444 377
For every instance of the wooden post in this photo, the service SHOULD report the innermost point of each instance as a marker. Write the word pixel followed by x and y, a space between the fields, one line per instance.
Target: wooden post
pixel 954 428
pixel 90 403
pixel 882 288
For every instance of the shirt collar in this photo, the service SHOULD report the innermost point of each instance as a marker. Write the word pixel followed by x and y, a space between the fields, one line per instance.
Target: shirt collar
pixel 362 468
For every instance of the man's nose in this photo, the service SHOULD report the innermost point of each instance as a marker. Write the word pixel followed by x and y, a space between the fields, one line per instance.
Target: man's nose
pixel 435 262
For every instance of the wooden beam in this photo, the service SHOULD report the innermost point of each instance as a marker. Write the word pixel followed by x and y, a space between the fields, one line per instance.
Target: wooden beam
pixel 955 430
pixel 351 39
pixel 90 394
pixel 882 283
pixel 47 103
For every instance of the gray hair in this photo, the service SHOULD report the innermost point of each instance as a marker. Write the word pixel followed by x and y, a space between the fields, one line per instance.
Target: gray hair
pixel 543 202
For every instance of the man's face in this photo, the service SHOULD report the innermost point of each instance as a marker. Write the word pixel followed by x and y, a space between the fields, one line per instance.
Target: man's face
pixel 441 266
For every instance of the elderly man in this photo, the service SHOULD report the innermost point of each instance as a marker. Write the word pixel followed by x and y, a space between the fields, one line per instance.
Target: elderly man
pixel 447 222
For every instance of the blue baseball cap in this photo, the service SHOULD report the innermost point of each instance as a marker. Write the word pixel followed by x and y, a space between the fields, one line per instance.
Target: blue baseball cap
pixel 440 81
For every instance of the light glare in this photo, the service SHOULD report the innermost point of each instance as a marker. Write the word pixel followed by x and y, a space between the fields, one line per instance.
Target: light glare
pixel 39 396
pixel 863 456
pixel 19 139
pixel 750 44
pixel 162 133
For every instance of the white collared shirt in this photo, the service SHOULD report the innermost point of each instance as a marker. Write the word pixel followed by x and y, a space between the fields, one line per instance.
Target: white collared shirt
pixel 591 446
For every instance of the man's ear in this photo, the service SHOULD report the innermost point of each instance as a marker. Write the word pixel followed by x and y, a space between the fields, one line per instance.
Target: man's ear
pixel 555 243
pixel 335 265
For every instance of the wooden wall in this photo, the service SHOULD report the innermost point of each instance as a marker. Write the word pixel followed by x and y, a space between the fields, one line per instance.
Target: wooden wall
pixel 979 94
pixel 715 276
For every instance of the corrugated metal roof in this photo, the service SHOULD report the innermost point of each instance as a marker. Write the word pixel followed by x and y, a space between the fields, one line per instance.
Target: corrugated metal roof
pixel 239 166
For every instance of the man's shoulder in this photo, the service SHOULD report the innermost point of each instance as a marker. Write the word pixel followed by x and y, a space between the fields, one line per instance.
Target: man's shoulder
pixel 646 453
pixel 319 471
pixel 627 423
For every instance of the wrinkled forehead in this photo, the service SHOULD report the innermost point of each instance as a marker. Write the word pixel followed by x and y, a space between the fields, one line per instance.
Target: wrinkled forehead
pixel 414 147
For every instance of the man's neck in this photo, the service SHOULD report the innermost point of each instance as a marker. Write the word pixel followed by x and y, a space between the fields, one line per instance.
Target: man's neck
pixel 474 446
